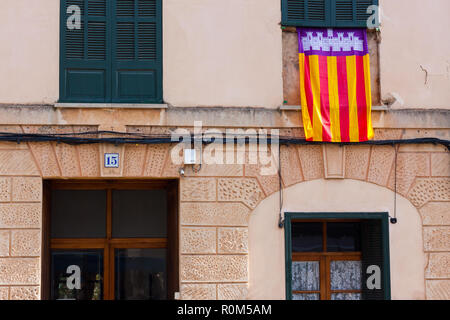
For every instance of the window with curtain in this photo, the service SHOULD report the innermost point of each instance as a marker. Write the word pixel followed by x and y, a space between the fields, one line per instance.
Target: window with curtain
pixel 333 259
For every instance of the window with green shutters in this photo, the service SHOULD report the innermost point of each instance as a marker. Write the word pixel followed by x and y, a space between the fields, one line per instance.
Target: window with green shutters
pixel 326 13
pixel 116 54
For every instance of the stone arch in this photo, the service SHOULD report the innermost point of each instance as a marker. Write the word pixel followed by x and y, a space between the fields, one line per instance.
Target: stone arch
pixel 217 202
pixel 406 243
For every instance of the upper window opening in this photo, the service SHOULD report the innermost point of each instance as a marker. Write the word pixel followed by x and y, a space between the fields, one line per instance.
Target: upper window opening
pixel 111 51
pixel 327 13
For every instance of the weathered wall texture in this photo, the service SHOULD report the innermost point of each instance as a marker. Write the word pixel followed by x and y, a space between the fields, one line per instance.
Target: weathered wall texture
pixel 414 52
pixel 222 53
pixel 20 223
pixel 217 203
pixel 29 54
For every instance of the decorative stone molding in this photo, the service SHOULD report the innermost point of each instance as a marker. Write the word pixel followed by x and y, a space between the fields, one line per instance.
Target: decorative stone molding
pixel 311 160
pixel 232 291
pixel 381 163
pixel 435 213
pixel 438 289
pixel 215 203
pixel 357 162
pixel 198 291
pixel 246 190
pixel 214 213
pixel 429 189
pixel 201 240
pixel 25 293
pixel 198 189
pixel 214 268
pixel 334 161
pixel 20 271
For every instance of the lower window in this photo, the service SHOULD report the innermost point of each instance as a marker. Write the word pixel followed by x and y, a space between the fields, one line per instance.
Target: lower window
pixel 110 240
pixel 336 259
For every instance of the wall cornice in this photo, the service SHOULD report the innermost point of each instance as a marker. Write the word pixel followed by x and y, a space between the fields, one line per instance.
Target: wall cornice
pixel 240 117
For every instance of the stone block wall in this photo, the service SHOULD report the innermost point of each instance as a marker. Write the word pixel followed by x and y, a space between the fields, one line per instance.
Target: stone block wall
pixel 215 203
pixel 20 223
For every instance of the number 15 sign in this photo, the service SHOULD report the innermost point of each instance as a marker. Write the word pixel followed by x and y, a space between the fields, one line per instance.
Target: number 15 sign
pixel 111 160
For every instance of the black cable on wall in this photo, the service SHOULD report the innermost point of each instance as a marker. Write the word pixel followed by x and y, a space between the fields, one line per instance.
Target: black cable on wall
pixel 77 138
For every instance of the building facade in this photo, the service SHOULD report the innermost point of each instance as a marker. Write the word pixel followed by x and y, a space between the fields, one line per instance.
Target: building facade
pixel 281 220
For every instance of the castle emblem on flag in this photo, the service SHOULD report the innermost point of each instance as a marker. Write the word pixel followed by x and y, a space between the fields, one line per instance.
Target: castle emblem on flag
pixel 344 41
pixel 335 84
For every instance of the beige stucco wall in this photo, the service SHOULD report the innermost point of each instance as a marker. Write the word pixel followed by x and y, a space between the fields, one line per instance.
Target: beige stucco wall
pixel 29 52
pixel 228 53
pixel 266 240
pixel 216 53
pixel 415 43
pixel 223 53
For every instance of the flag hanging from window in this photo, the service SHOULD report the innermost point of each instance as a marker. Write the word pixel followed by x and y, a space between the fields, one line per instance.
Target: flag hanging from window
pixel 335 84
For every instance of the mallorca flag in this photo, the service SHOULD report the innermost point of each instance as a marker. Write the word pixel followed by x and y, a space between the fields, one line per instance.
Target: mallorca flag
pixel 335 84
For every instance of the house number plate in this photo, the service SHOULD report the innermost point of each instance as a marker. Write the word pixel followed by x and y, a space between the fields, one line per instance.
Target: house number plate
pixel 111 160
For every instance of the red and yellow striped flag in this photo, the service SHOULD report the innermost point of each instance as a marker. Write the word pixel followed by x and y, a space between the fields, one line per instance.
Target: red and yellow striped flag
pixel 335 84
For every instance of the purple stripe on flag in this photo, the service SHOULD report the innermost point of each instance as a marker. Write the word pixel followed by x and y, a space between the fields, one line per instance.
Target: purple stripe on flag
pixel 332 41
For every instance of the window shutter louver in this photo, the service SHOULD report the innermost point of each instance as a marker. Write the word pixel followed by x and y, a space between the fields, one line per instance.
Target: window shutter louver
pixel 316 10
pixel 372 254
pixel 74 44
pixel 326 13
pixel 137 47
pixel 116 55
pixel 361 10
pixel 84 53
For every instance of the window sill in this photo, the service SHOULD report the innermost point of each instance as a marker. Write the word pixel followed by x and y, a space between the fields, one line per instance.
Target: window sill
pixel 298 108
pixel 110 105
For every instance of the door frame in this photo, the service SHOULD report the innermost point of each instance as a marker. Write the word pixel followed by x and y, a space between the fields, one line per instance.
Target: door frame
pixel 109 244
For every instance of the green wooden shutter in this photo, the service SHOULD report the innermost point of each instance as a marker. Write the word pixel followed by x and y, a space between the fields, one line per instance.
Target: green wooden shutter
pixel 312 13
pixel 137 51
pixel 84 57
pixel 116 56
pixel 373 253
pixel 326 13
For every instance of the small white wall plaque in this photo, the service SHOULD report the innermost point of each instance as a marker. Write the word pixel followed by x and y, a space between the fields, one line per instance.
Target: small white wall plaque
pixel 111 160
pixel 189 156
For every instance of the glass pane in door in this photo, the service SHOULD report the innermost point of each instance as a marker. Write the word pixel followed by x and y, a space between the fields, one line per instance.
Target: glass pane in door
pixel 77 274
pixel 78 214
pixel 140 274
pixel 139 213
